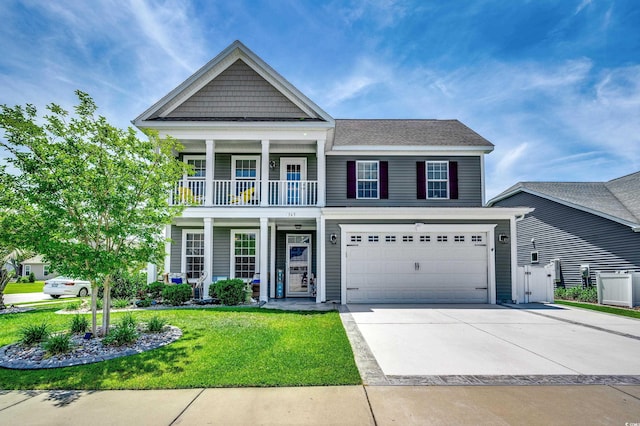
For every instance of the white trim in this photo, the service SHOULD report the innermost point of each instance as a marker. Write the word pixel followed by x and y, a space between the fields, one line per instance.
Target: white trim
pixel 293 160
pixel 321 171
pixel 186 158
pixel 208 248
pixel 482 180
pixel 309 264
pixel 408 150
pixel 263 253
pixel 321 291
pixel 426 213
pixel 426 179
pixel 272 261
pixel 235 158
pixel 167 248
pixel 358 162
pixel 27 270
pixel 210 148
pixel 183 248
pixel 513 230
pixel 264 172
pixel 494 200
pixel 489 229
pixel 232 254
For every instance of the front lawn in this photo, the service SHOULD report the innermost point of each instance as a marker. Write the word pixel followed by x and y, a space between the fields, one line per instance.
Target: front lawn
pixel 601 308
pixel 15 288
pixel 219 348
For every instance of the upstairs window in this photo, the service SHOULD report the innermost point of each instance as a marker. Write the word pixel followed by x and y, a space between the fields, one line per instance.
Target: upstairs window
pixel 438 179
pixel 368 180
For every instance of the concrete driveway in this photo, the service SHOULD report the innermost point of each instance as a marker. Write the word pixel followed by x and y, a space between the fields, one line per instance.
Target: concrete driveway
pixel 540 343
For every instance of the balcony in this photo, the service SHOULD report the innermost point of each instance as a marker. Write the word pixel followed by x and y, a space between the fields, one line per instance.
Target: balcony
pixel 234 193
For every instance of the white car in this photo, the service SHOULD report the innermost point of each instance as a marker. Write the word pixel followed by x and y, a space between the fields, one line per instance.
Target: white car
pixel 60 286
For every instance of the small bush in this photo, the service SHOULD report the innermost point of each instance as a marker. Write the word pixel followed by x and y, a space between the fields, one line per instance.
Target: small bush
pixel 72 306
pixel 588 294
pixel 120 303
pixel 176 294
pixel 79 324
pixel 123 333
pixel 155 289
pixel 230 292
pixel 35 333
pixel 144 303
pixel 156 324
pixel 32 277
pixel 58 344
pixel 126 285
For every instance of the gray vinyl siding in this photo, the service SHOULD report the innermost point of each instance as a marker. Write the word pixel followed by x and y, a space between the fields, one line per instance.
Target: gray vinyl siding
pixel 221 252
pixel 573 236
pixel 502 265
pixel 281 251
pixel 238 92
pixel 402 182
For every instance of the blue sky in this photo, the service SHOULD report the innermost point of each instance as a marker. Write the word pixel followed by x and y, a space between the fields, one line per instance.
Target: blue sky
pixel 555 85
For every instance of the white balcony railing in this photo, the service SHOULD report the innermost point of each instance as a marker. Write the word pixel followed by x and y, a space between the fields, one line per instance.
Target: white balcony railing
pixel 191 192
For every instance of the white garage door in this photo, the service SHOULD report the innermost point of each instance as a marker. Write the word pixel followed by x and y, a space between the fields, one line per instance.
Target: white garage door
pixel 417 267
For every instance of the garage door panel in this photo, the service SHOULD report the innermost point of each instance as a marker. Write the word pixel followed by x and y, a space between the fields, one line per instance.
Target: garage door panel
pixel 412 269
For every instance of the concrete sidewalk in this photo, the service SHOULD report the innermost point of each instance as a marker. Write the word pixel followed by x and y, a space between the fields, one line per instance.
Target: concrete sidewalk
pixel 347 405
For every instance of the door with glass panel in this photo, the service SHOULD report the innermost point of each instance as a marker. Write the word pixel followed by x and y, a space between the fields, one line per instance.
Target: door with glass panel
pixel 293 176
pixel 298 265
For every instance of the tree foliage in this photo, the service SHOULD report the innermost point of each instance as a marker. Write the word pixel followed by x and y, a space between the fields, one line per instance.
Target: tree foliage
pixel 91 198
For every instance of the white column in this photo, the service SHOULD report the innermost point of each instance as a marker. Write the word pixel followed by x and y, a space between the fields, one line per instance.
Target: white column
pixel 264 175
pixel 167 248
pixel 272 262
pixel 208 248
pixel 264 259
pixel 152 273
pixel 322 173
pixel 210 164
pixel 321 292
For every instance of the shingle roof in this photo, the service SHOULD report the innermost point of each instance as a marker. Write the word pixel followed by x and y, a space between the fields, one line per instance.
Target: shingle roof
pixel 406 133
pixel 618 198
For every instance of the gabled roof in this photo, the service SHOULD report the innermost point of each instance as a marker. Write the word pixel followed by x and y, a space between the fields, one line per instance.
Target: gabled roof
pixel 350 134
pixel 617 199
pixel 236 85
pixel 36 260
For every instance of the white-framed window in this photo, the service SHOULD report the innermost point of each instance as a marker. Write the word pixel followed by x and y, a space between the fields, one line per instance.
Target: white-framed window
pixel 367 179
pixel 199 164
pixel 245 172
pixel 27 270
pixel 534 257
pixel 193 252
pixel 46 270
pixel 244 253
pixel 438 179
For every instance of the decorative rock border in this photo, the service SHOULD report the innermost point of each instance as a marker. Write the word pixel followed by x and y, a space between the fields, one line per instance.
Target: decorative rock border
pixel 16 356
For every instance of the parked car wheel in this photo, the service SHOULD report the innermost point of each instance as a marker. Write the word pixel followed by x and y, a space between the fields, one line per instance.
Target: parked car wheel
pixel 83 292
pixel 55 296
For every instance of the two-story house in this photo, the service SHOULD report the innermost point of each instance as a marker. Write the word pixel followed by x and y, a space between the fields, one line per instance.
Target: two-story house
pixel 375 210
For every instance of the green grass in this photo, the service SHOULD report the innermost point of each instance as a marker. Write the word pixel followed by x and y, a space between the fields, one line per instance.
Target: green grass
pixel 601 308
pixel 219 348
pixel 15 288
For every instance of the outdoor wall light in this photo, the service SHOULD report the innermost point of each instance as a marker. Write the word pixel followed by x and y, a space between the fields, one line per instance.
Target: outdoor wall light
pixel 333 238
pixel 273 164
pixel 503 238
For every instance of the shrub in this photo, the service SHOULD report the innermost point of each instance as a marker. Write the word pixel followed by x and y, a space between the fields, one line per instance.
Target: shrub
pixel 79 324
pixel 32 277
pixel 120 303
pixel 144 303
pixel 176 294
pixel 99 303
pixel 230 292
pixel 589 295
pixel 123 333
pixel 72 306
pixel 35 333
pixel 155 289
pixel 58 344
pixel 126 285
pixel 156 324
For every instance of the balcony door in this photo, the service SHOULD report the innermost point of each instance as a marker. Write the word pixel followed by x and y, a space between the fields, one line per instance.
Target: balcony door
pixel 293 175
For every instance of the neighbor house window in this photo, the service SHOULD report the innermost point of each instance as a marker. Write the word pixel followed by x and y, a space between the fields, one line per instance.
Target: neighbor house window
pixel 534 257
pixel 46 270
pixel 437 179
pixel 367 179
pixel 27 270
pixel 193 253
pixel 244 256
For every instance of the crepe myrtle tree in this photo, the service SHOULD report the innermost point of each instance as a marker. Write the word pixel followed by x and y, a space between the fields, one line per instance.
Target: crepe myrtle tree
pixel 91 198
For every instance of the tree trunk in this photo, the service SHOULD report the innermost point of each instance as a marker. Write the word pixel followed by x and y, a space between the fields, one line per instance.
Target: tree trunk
pixel 106 305
pixel 4 280
pixel 94 308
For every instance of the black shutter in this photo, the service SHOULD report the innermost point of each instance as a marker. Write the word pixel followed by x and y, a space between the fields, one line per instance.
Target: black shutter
pixel 421 183
pixel 453 180
pixel 384 180
pixel 351 179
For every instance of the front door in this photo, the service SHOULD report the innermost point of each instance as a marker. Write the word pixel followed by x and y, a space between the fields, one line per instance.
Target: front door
pixel 298 265
pixel 293 174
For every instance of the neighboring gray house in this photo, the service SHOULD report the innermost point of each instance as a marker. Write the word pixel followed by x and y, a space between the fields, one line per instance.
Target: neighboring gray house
pixel 581 223
pixel 376 210
pixel 38 266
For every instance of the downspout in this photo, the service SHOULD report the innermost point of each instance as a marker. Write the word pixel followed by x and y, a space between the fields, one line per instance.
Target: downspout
pixel 514 257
